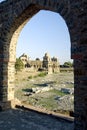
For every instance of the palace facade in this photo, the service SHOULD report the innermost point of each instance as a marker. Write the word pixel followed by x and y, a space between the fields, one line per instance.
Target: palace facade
pixel 51 65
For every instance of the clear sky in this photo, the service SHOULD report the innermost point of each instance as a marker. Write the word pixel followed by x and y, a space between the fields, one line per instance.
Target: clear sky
pixel 2 0
pixel 45 32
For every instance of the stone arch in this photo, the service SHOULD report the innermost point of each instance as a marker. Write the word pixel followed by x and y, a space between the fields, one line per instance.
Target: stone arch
pixel 14 15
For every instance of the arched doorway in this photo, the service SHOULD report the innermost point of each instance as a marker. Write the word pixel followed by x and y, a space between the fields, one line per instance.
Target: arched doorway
pixel 14 15
pixel 46 32
pixel 15 30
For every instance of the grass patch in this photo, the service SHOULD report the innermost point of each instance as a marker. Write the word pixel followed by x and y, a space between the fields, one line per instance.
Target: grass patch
pixel 42 74
pixel 57 92
pixel 48 103
pixel 30 77
pixel 46 100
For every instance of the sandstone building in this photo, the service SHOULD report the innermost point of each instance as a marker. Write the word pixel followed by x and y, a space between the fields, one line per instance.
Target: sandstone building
pixel 51 65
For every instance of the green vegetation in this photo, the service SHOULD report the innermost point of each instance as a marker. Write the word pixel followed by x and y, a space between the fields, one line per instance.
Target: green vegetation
pixel 68 64
pixel 57 92
pixel 42 74
pixel 48 103
pixel 30 77
pixel 47 100
pixel 19 65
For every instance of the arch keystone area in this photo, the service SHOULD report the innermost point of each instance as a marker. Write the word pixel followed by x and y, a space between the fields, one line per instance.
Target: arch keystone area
pixel 14 14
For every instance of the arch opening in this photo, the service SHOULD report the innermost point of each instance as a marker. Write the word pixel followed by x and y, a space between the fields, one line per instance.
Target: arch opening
pixel 15 13
pixel 21 17
pixel 24 89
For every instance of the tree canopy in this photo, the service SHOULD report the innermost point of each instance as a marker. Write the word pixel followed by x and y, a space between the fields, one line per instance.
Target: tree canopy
pixel 19 64
pixel 68 64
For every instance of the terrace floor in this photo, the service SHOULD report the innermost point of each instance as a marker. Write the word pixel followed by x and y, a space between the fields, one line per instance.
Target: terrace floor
pixel 19 119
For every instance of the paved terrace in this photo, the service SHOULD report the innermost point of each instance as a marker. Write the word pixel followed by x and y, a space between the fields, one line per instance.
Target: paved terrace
pixel 19 119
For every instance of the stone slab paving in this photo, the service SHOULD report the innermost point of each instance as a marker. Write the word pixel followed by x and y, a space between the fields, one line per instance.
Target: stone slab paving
pixel 30 120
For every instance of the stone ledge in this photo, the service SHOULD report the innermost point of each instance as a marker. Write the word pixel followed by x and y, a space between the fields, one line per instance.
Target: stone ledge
pixel 38 110
pixel 5 105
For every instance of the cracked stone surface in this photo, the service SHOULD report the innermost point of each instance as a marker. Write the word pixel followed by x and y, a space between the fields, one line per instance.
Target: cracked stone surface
pixel 30 120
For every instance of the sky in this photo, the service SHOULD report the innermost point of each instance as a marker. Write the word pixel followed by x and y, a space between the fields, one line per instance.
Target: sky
pixel 45 32
pixel 2 0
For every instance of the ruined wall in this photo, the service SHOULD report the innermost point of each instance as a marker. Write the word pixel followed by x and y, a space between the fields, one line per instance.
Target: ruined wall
pixel 14 14
pixel 50 66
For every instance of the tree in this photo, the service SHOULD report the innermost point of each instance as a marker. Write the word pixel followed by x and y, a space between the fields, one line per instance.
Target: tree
pixel 68 64
pixel 19 65
pixel 37 59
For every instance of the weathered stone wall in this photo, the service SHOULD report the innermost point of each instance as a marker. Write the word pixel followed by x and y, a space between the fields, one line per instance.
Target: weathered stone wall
pixel 51 65
pixel 14 14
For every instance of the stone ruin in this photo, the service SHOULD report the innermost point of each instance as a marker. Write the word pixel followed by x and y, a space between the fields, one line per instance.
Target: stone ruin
pixel 48 64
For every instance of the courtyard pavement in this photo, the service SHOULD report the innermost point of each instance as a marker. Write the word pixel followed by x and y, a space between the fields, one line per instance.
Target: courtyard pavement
pixel 18 119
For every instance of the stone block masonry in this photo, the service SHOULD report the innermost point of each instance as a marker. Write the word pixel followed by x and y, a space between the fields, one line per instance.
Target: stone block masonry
pixel 48 64
pixel 14 14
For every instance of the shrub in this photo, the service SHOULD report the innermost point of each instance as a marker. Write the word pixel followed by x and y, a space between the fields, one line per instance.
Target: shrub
pixel 19 65
pixel 30 77
pixel 68 64
pixel 42 74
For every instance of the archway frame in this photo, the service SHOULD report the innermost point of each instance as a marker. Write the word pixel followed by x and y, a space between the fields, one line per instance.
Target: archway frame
pixel 14 15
